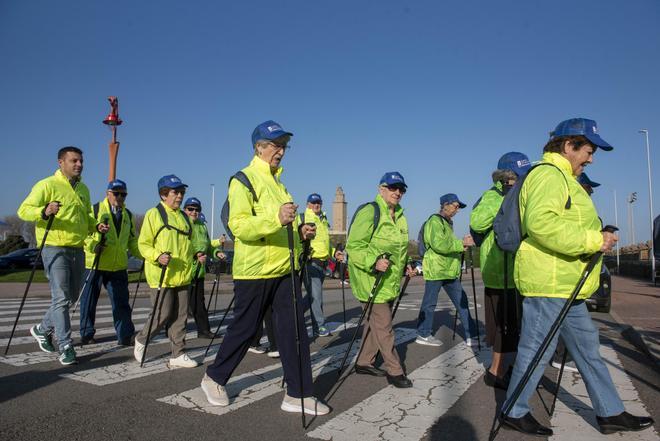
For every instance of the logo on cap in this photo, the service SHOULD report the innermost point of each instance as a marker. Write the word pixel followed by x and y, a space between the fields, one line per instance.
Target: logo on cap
pixel 274 128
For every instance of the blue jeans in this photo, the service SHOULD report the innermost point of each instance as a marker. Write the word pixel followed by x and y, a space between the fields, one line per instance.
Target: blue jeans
pixel 64 267
pixel 458 297
pixel 581 339
pixel 313 278
pixel 116 283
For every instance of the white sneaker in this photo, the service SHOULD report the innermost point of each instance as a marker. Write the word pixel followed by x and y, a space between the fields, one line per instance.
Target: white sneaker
pixel 261 349
pixel 473 342
pixel 216 394
pixel 312 405
pixel 569 366
pixel 138 350
pixel 429 341
pixel 273 354
pixel 183 361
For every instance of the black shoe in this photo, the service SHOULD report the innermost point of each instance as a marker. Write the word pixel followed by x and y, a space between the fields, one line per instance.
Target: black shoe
pixel 400 381
pixel 87 341
pixel 624 422
pixel 527 424
pixel 126 343
pixel 369 370
pixel 205 334
pixel 495 381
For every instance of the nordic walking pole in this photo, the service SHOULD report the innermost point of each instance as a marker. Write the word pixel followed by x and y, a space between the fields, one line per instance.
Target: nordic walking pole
pixel 561 373
pixel 95 264
pixel 137 288
pixel 370 301
pixel 342 268
pixel 474 294
pixel 192 289
pixel 155 307
pixel 292 264
pixel 548 338
pixel 215 284
pixel 217 330
pixel 34 268
pixel 402 292
pixel 460 279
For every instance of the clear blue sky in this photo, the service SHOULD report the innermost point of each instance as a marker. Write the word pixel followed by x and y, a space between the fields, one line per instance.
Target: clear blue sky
pixel 435 90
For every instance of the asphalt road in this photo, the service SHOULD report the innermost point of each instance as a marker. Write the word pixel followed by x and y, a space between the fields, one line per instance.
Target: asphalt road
pixel 109 397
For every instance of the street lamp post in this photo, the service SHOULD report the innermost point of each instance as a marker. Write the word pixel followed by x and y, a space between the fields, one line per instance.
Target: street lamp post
pixel 212 209
pixel 616 222
pixel 648 163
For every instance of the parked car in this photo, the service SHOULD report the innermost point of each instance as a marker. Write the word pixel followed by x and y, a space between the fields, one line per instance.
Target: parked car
pixel 134 264
pixel 601 300
pixel 417 265
pixel 18 259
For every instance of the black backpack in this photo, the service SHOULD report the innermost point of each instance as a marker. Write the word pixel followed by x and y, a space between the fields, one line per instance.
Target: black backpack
pixel 479 238
pixel 166 224
pixel 421 242
pixel 224 213
pixel 375 221
pixel 507 224
pixel 95 208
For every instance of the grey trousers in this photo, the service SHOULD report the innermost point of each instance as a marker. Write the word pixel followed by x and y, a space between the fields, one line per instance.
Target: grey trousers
pixel 172 311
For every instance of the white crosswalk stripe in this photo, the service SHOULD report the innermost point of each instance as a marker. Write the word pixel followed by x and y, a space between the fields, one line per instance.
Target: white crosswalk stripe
pixel 253 386
pixel 574 413
pixel 38 315
pixel 406 414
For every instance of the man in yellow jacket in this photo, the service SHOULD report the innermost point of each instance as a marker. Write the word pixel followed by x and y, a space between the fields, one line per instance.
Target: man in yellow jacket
pixel 65 197
pixel 561 230
pixel 165 242
pixel 320 252
pixel 112 265
pixel 262 274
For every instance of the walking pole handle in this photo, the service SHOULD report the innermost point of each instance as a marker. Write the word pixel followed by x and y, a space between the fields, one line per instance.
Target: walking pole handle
pixel 382 256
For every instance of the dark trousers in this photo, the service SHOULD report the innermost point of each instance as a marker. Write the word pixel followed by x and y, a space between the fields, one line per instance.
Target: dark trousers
pixel 197 308
pixel 270 331
pixel 252 299
pixel 116 283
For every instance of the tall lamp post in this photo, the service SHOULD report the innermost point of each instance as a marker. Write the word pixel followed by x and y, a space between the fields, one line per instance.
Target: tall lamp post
pixel 616 223
pixel 631 221
pixel 212 209
pixel 648 163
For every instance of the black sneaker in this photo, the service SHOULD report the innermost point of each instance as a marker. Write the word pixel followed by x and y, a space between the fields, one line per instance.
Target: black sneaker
pixel 68 356
pixel 45 340
pixel 87 341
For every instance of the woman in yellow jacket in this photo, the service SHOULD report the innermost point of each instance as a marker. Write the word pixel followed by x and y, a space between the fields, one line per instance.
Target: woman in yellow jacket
pixel 165 242
pixel 561 228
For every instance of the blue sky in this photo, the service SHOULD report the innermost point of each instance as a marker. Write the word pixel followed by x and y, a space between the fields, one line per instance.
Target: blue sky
pixel 435 90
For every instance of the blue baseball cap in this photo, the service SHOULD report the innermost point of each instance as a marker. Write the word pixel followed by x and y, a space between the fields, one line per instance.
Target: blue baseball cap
pixel 268 130
pixel 516 162
pixel 194 202
pixel 393 178
pixel 314 197
pixel 584 180
pixel 584 127
pixel 450 198
pixel 117 184
pixel 202 217
pixel 170 181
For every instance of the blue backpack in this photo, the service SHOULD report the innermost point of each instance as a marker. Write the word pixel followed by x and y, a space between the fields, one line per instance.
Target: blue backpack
pixel 421 243
pixel 507 225
pixel 376 220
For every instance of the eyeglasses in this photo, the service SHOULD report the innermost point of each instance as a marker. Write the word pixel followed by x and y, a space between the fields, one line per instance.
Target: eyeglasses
pixel 119 194
pixel 180 191
pixel 398 188
pixel 279 146
pixel 314 203
pixel 193 209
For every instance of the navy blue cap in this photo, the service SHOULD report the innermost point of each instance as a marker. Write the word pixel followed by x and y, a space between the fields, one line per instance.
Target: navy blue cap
pixel 268 130
pixel 193 201
pixel 170 181
pixel 314 197
pixel 393 178
pixel 584 180
pixel 450 198
pixel 516 162
pixel 202 217
pixel 117 184
pixel 584 127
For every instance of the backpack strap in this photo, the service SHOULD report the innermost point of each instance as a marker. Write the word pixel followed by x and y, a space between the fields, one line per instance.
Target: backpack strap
pixel 302 218
pixel 567 205
pixel 428 247
pixel 376 219
pixel 243 179
pixel 166 224
pixel 95 208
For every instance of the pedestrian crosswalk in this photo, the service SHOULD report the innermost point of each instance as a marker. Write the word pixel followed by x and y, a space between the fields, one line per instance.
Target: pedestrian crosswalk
pixel 386 413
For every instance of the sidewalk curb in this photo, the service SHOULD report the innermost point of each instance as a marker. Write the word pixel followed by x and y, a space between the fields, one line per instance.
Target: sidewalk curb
pixel 637 339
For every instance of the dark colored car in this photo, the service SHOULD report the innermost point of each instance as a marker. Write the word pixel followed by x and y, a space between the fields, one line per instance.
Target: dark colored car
pixel 601 300
pixel 20 259
pixel 221 266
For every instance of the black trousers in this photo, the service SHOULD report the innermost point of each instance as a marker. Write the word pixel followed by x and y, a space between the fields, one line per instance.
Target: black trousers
pixel 252 298
pixel 197 308
pixel 270 331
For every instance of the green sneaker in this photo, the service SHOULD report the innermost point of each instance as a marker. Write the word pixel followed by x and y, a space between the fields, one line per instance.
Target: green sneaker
pixel 45 340
pixel 68 356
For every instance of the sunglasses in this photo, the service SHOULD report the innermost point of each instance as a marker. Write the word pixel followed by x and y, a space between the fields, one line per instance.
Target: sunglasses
pixel 394 188
pixel 193 209
pixel 119 194
pixel 180 191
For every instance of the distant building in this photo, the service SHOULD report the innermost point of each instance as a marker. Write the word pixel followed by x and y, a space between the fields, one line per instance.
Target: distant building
pixel 339 223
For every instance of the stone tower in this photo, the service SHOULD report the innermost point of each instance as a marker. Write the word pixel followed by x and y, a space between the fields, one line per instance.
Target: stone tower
pixel 339 213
